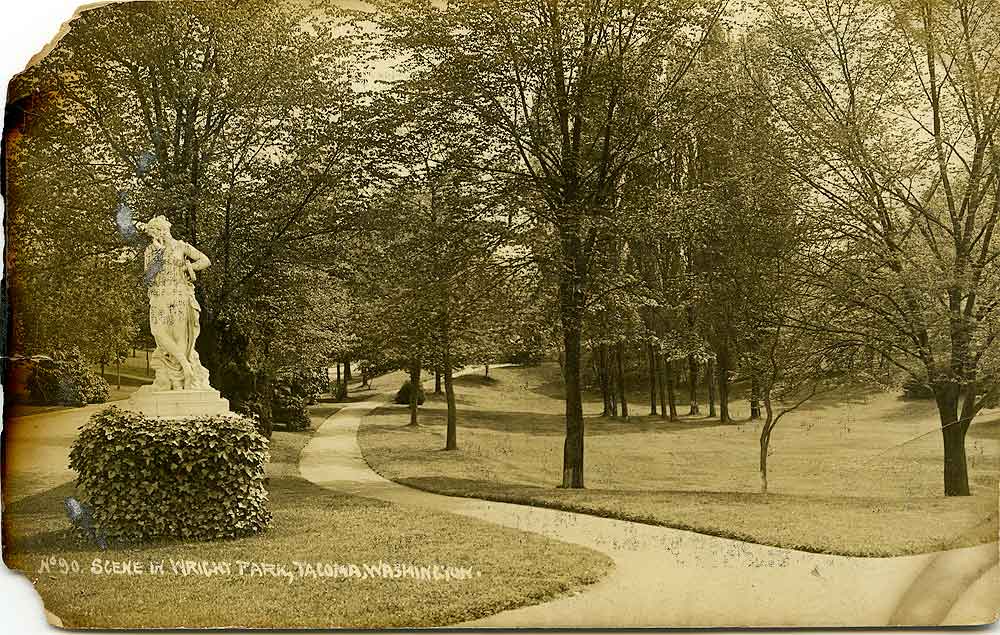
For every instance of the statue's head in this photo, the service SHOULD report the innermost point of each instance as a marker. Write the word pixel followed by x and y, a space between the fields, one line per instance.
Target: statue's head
pixel 157 227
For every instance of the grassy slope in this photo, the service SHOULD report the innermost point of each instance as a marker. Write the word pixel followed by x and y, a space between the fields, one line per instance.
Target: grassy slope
pixel 840 482
pixel 310 524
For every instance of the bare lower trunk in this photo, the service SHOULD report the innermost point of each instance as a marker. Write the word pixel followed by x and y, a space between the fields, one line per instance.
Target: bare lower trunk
pixel 693 385
pixel 671 388
pixel 765 441
pixel 621 379
pixel 652 380
pixel 710 383
pixel 414 391
pixel 604 375
pixel 573 447
pixel 953 429
pixel 723 371
pixel 451 441
pixel 754 398
pixel 661 384
pixel 437 381
pixel 118 371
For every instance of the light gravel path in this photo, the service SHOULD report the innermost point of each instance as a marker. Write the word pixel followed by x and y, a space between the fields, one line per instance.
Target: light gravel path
pixel 670 578
pixel 36 450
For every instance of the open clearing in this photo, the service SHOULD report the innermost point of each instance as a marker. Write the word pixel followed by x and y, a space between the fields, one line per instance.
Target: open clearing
pixel 845 474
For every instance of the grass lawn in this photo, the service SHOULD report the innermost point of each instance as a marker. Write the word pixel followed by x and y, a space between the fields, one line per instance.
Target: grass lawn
pixel 845 475
pixel 313 525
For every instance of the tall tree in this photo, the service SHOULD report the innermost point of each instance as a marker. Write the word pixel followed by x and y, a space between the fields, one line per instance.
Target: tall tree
pixel 233 120
pixel 571 89
pixel 892 111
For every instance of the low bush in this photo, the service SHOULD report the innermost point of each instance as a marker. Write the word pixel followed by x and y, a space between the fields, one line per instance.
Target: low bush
pixel 194 478
pixel 403 395
pixel 66 380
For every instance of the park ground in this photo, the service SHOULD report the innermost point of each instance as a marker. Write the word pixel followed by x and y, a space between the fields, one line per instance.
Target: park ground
pixel 311 524
pixel 856 474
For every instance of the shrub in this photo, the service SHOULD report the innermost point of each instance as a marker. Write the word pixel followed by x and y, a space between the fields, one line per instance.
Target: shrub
pixel 65 380
pixel 312 383
pixel 256 407
pixel 194 478
pixel 293 392
pixel 289 407
pixel 403 396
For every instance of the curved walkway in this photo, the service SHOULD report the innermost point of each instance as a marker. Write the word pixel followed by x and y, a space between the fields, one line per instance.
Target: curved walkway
pixel 670 578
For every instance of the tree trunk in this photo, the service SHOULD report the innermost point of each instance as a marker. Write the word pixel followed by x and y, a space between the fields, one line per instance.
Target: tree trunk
pixel 693 385
pixel 347 371
pixel 710 383
pixel 573 447
pixel 487 370
pixel 102 370
pixel 671 391
pixel 956 473
pixel 621 379
pixel 765 441
pixel 754 398
pixel 437 381
pixel 723 369
pixel 604 376
pixel 414 391
pixel 613 381
pixel 147 362
pixel 661 384
pixel 451 441
pixel 652 380
pixel 118 370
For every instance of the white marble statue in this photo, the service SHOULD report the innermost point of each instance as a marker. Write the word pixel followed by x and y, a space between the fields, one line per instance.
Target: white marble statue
pixel 173 310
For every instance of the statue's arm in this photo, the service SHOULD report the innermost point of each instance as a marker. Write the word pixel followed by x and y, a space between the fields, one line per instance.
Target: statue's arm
pixel 199 260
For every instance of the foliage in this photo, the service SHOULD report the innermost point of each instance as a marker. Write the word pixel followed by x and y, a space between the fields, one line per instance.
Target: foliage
pixel 891 111
pixel 570 91
pixel 294 391
pixel 65 379
pixel 230 119
pixel 192 478
pixel 403 394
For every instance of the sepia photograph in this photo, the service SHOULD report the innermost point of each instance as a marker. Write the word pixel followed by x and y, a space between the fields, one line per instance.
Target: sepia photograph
pixel 503 314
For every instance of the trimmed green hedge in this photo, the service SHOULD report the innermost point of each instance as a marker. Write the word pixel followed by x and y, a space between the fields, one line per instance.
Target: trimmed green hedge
pixel 195 478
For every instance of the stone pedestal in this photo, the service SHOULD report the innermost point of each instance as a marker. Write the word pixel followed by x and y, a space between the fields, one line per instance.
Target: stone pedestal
pixel 177 403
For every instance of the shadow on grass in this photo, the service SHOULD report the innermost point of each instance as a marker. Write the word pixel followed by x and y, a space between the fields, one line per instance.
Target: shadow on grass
pixel 475 380
pixel 538 424
pixel 724 514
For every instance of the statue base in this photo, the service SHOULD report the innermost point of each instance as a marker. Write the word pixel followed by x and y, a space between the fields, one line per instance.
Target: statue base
pixel 177 403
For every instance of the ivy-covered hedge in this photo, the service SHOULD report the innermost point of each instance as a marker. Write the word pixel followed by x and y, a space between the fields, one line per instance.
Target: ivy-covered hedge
pixel 195 478
pixel 65 380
